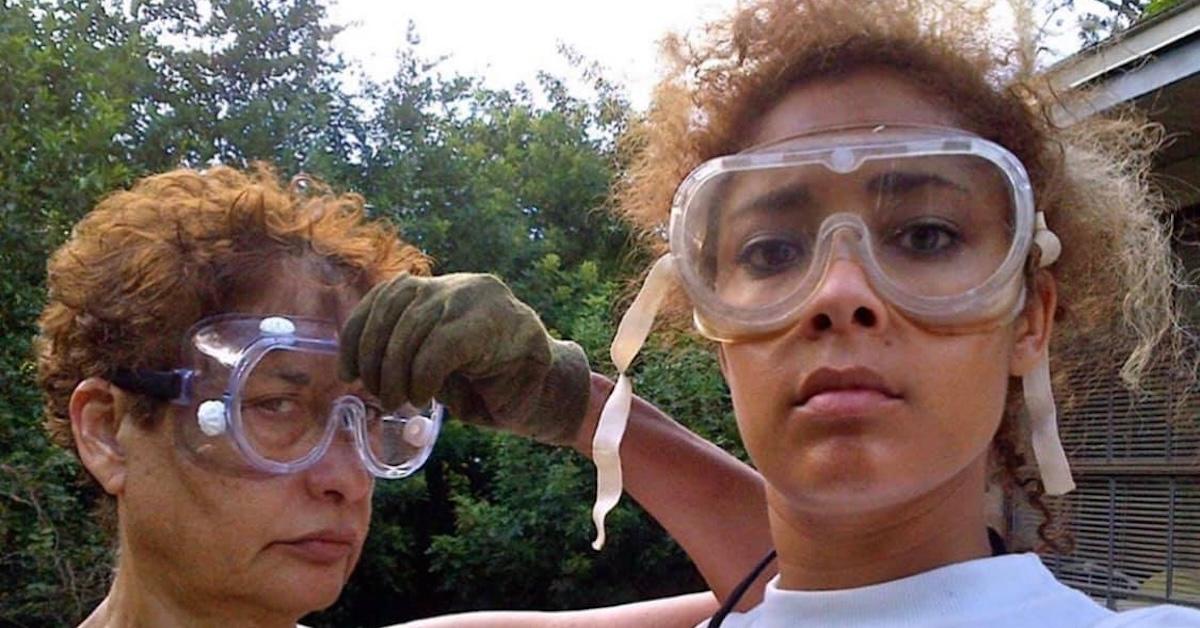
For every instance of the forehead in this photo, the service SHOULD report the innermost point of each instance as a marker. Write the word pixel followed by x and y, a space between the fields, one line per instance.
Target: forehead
pixel 864 97
pixel 292 289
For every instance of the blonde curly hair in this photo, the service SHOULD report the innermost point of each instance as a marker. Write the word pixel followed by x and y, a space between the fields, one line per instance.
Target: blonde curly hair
pixel 147 263
pixel 1117 277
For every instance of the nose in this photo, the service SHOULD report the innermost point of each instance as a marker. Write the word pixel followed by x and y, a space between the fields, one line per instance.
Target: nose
pixel 339 475
pixel 844 301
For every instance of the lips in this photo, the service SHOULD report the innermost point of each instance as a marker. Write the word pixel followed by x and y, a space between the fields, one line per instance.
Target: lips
pixel 324 546
pixel 856 391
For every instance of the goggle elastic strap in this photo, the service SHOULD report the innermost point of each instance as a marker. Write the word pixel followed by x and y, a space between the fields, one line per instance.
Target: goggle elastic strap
pixel 631 335
pixel 1039 396
pixel 1043 427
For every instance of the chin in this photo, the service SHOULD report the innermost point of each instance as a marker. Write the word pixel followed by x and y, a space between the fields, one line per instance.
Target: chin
pixel 872 485
pixel 310 589
pixel 844 477
pixel 303 602
pixel 837 494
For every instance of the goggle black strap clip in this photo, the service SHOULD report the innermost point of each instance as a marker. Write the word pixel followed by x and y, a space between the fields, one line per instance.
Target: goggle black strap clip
pixel 169 386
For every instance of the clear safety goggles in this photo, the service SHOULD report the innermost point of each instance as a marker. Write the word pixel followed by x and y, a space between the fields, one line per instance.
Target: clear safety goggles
pixel 262 395
pixel 941 222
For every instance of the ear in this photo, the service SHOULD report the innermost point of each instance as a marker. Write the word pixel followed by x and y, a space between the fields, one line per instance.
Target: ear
pixel 94 423
pixel 1034 326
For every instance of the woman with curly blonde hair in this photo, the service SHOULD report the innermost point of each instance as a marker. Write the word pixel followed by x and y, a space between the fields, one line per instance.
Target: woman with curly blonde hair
pixel 868 209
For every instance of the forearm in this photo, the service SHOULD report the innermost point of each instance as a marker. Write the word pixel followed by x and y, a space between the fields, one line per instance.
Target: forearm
pixel 712 504
pixel 683 611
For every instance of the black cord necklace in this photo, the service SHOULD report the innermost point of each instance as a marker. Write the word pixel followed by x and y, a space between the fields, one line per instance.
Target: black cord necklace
pixel 994 540
pixel 739 591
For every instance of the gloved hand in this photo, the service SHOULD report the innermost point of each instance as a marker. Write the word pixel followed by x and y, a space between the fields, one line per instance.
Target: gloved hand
pixel 465 340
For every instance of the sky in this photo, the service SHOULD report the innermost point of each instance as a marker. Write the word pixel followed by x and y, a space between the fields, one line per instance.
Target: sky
pixel 508 41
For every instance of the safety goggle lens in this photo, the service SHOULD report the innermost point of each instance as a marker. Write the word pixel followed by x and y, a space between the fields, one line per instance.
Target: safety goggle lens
pixel 288 403
pixel 934 226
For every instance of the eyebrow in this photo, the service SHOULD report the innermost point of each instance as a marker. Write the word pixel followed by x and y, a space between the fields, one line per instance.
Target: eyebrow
pixel 791 196
pixel 296 378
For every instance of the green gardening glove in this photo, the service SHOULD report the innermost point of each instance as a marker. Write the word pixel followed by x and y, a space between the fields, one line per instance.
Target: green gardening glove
pixel 465 340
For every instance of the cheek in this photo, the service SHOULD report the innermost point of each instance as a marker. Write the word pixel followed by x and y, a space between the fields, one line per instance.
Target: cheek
pixel 183 514
pixel 761 387
pixel 962 390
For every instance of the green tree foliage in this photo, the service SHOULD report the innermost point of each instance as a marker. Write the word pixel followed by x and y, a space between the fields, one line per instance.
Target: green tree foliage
pixel 454 160
pixel 247 81
pixel 510 181
pixel 71 72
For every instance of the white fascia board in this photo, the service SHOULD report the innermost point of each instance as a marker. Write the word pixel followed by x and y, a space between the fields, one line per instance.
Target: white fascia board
pixel 1128 48
pixel 1156 73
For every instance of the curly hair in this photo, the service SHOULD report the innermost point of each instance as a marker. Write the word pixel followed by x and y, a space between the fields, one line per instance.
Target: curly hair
pixel 1117 277
pixel 147 263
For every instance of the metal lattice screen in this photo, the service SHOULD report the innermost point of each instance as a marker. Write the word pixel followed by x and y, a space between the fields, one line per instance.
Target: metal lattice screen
pixel 1135 514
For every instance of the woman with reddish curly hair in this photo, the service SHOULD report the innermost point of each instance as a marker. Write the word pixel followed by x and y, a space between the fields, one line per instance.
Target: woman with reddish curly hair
pixel 188 354
pixel 159 295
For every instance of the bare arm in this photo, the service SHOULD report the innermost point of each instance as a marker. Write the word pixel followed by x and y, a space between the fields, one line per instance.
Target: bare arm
pixel 684 610
pixel 711 503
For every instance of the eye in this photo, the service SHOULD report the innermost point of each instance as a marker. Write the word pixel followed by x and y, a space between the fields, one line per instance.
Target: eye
pixel 768 255
pixel 275 421
pixel 927 237
pixel 279 406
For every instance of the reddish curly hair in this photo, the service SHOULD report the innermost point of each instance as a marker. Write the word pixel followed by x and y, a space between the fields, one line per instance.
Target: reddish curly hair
pixel 147 263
